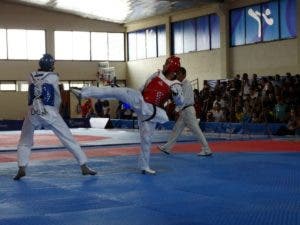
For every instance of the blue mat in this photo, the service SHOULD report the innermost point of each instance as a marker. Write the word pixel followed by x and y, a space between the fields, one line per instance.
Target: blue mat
pixel 226 189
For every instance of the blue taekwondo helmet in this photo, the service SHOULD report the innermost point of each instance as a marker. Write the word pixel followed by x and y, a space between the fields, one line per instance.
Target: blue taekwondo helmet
pixel 47 62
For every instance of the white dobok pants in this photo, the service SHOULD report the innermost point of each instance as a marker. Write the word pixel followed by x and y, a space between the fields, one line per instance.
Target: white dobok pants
pixel 143 110
pixel 52 120
pixel 188 119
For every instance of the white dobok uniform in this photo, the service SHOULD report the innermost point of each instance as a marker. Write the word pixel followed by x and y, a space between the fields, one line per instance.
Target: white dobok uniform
pixel 147 104
pixel 187 118
pixel 43 111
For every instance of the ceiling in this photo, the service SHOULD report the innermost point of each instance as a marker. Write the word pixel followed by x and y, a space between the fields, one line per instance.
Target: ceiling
pixel 119 11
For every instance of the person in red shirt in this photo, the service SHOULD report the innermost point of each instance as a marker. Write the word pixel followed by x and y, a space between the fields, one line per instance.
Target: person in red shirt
pixel 147 103
pixel 86 108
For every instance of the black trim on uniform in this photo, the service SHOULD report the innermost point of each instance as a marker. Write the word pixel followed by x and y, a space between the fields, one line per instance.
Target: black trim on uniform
pixel 186 107
pixel 153 114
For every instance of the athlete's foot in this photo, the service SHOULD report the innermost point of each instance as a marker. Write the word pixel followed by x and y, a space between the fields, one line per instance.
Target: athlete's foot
pixel 21 173
pixel 205 152
pixel 148 171
pixel 162 149
pixel 86 170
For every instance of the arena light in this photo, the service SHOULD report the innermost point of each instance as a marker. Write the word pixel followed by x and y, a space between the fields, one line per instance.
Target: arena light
pixel 109 10
pixel 40 2
pixel 115 10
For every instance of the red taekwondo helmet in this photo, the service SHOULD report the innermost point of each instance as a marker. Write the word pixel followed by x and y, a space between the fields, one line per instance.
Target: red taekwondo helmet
pixel 172 64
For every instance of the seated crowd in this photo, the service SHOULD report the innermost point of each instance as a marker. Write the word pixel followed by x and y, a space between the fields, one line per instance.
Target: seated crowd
pixel 268 99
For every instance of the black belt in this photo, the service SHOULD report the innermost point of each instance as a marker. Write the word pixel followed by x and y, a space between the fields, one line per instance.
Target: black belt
pixel 186 107
pixel 152 116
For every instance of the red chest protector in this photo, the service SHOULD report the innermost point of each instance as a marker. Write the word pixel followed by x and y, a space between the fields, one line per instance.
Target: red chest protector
pixel 157 92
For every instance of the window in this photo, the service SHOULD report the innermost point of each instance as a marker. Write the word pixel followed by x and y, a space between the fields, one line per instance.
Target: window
pixel 202 33
pixel 22 86
pixel 116 47
pixel 99 46
pixel 270 26
pixel 273 20
pixel 177 37
pixel 79 84
pixel 214 31
pixel 132 46
pixel 161 40
pixel 253 24
pixel 72 45
pixel 66 85
pixel 24 44
pixel 141 44
pixel 3 44
pixel 81 45
pixel 237 28
pixel 147 43
pixel 151 43
pixel 203 41
pixel 63 44
pixel 288 18
pixel 189 35
pixel 16 43
pixel 35 44
pixel 107 46
pixel 8 86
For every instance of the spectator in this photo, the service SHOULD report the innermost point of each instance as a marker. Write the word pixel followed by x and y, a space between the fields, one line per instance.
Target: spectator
pixel 245 86
pixel 280 110
pixel 86 107
pixel 237 83
pixel 198 103
pixel 99 108
pixel 219 100
pixel 292 124
pixel 217 113
pixel 91 113
pixel 239 114
pixel 254 117
pixel 218 88
pixel 277 81
pixel 254 82
pixel 106 109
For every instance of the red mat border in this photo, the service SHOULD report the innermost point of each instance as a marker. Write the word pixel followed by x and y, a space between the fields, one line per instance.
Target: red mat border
pixel 228 146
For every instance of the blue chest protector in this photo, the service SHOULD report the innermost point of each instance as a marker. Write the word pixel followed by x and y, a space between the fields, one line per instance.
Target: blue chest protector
pixel 46 96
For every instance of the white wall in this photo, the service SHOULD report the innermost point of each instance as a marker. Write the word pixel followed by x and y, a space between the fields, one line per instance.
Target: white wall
pixel 15 16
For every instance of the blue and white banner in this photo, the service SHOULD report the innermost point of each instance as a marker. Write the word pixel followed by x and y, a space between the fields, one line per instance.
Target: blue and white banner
pixel 268 21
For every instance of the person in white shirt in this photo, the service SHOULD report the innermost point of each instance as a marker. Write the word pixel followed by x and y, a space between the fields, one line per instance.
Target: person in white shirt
pixel 218 113
pixel 187 118
pixel 147 103
pixel 43 111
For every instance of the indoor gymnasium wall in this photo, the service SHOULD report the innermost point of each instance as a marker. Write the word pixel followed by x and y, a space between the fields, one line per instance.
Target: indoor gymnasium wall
pixel 268 58
pixel 16 16
pixel 13 105
pixel 140 70
pixel 271 58
pixel 202 65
